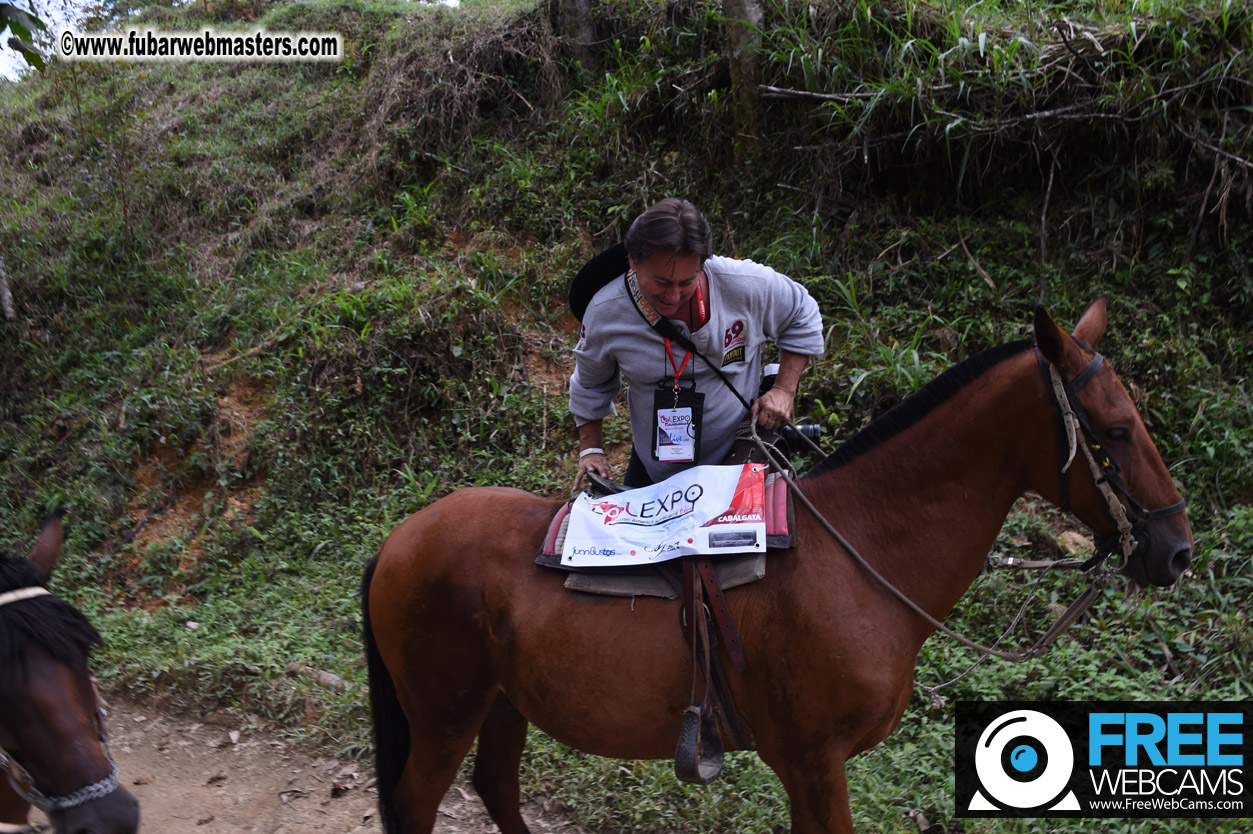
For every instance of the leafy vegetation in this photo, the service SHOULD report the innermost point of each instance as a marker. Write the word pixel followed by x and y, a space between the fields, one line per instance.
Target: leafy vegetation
pixel 263 312
pixel 22 25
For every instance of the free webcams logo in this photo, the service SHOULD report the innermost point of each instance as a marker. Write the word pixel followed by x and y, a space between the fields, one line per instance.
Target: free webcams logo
pixel 1103 759
pixel 1024 760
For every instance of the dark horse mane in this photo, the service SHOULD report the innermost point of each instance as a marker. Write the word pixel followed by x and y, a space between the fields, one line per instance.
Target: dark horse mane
pixel 914 408
pixel 57 627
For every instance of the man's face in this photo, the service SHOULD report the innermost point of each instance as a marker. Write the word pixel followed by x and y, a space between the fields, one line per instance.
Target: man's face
pixel 668 281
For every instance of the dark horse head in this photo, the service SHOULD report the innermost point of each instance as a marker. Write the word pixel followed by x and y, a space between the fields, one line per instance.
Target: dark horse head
pixel 1118 485
pixel 51 725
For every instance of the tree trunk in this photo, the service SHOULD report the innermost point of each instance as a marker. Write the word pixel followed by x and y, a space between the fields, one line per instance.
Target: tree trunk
pixel 743 45
pixel 574 24
pixel 6 297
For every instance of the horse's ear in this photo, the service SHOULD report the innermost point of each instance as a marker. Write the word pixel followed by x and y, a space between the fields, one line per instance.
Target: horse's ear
pixel 48 546
pixel 1091 325
pixel 1049 338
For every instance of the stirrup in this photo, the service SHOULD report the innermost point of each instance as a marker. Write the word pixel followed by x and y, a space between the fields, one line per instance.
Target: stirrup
pixel 698 758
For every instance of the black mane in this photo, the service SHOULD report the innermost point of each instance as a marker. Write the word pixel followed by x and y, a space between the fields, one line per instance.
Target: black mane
pixel 59 629
pixel 918 405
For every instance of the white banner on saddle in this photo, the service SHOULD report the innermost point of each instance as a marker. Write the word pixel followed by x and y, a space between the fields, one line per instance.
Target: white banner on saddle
pixel 705 509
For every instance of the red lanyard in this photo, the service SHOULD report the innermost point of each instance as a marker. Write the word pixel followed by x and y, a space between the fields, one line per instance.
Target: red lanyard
pixel 678 369
pixel 701 310
pixel 703 313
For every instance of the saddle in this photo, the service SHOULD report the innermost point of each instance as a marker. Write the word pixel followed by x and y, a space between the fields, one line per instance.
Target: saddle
pixel 699 582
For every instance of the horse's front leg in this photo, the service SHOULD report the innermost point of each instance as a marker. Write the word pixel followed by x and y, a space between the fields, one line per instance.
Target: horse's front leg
pixel 818 792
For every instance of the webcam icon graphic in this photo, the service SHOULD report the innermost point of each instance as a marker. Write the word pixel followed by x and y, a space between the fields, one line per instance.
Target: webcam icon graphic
pixel 1024 759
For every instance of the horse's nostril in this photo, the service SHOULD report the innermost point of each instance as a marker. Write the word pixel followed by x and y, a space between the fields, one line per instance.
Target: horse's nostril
pixel 1180 561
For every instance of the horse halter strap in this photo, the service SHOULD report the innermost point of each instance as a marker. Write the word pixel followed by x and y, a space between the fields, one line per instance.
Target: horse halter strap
pixel 1072 421
pixel 24 787
pixel 20 779
pixel 24 593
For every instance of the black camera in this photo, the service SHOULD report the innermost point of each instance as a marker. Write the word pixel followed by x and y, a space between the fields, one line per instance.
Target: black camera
pixel 795 436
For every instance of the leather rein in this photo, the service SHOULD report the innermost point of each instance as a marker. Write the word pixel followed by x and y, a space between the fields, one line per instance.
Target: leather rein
pixel 1132 536
pixel 20 779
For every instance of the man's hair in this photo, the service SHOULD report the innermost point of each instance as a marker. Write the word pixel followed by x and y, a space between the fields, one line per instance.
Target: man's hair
pixel 673 225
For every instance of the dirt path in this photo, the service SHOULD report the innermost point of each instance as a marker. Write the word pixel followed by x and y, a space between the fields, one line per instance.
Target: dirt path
pixel 217 778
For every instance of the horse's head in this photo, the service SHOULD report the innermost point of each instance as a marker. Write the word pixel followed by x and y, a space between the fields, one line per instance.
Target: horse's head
pixel 51 730
pixel 1110 437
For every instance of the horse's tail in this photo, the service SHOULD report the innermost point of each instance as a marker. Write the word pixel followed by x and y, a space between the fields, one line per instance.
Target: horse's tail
pixel 391 728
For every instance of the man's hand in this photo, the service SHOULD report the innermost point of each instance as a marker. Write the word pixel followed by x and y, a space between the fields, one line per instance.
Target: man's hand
pixel 596 463
pixel 773 409
pixel 592 437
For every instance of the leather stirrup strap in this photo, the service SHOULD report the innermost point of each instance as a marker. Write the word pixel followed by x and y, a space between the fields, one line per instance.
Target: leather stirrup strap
pixel 721 613
pixel 698 756
pixel 724 704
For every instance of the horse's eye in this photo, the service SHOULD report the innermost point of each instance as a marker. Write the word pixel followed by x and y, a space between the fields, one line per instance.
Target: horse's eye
pixel 1119 435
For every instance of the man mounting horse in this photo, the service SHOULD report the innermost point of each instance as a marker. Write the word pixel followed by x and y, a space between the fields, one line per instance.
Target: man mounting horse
pixel 686 330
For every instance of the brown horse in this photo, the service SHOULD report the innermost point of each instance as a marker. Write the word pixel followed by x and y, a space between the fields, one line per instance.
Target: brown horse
pixel 467 638
pixel 51 731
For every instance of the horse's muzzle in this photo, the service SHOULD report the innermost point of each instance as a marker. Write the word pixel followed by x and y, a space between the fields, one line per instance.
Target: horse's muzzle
pixel 117 813
pixel 1178 563
pixel 1160 559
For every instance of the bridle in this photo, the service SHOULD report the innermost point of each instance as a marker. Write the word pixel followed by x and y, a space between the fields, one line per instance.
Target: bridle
pixel 20 779
pixel 1132 537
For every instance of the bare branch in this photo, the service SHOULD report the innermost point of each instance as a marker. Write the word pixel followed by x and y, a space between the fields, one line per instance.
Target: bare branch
pixel 783 92
pixel 327 679
pixel 1209 189
pixel 1044 212
pixel 973 262
pixel 1210 146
